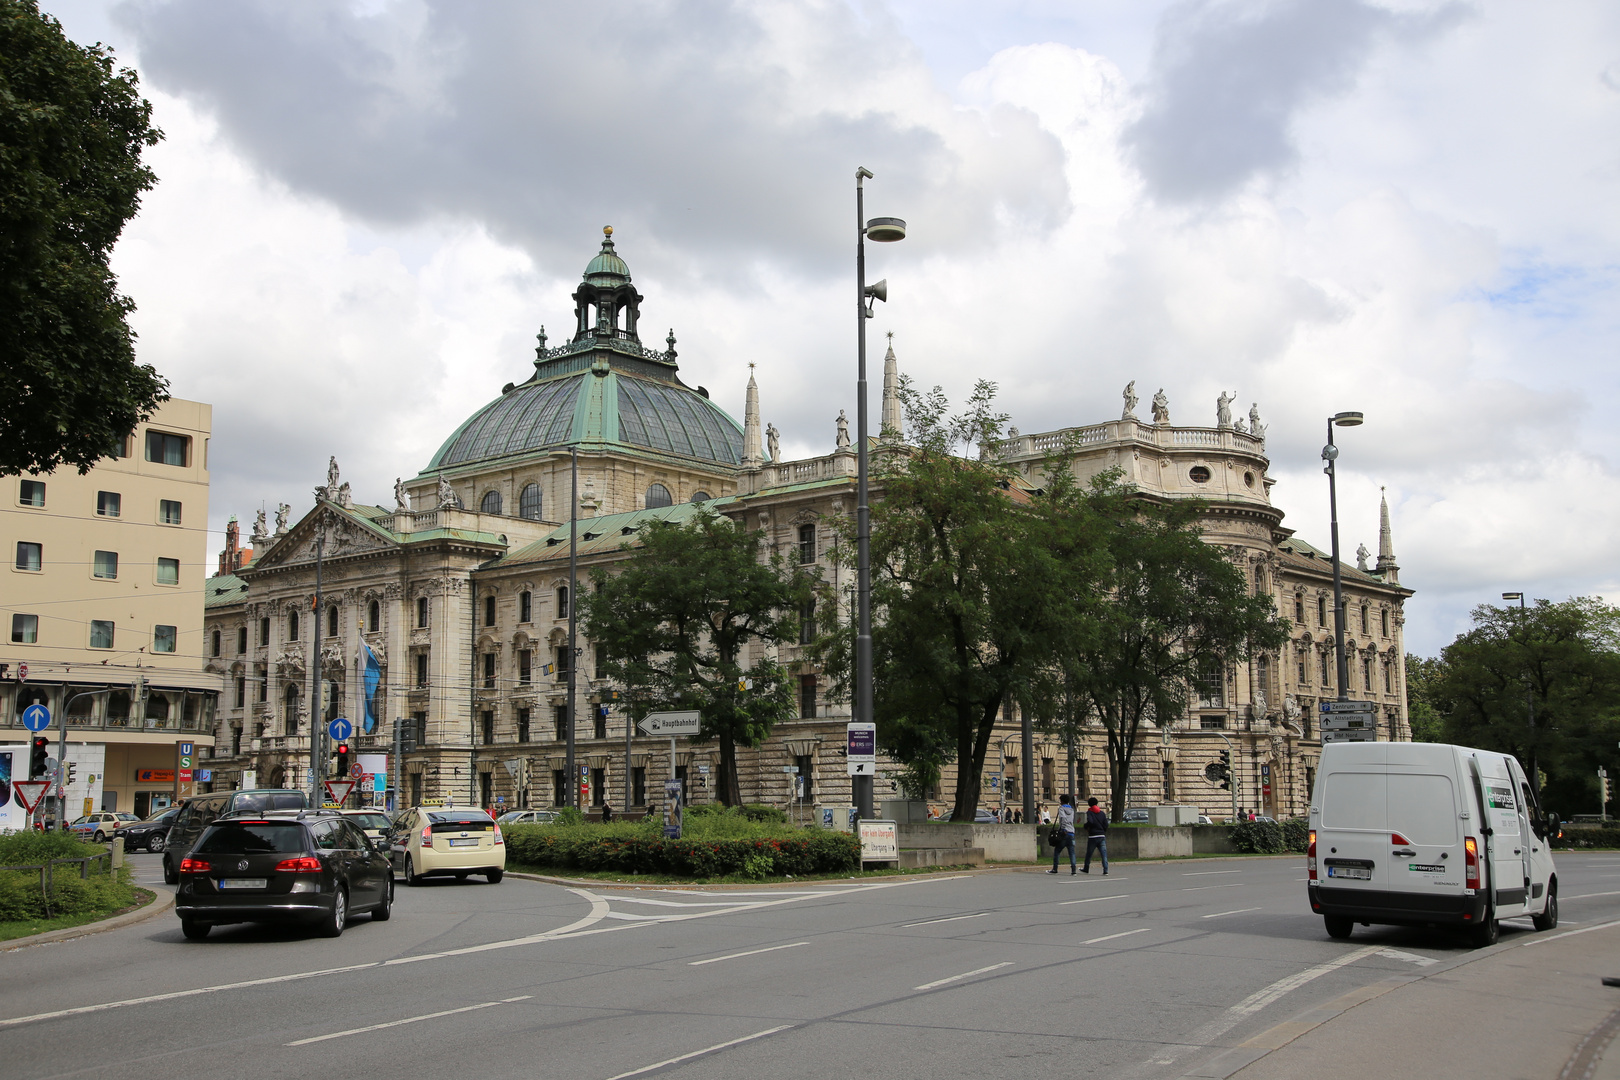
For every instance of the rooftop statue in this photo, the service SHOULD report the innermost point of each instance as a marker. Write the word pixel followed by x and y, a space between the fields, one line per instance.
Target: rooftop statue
pixel 1161 407
pixel 1256 428
pixel 402 498
pixel 447 494
pixel 773 440
pixel 843 429
pixel 1223 409
pixel 282 512
pixel 1130 401
pixel 1362 555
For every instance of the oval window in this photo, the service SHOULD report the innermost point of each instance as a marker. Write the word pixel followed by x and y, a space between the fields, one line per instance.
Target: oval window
pixel 1198 474
pixel 1248 478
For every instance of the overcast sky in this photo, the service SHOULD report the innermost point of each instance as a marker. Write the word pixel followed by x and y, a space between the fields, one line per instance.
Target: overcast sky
pixel 1407 208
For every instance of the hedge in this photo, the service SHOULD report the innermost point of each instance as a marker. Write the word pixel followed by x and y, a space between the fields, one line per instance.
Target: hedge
pixel 21 897
pixel 1574 839
pixel 1271 837
pixel 808 851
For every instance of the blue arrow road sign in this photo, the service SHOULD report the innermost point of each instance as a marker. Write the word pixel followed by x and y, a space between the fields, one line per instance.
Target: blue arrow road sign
pixel 36 718
pixel 340 729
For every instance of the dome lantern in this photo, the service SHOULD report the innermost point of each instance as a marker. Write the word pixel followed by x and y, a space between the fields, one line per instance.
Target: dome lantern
pixel 606 304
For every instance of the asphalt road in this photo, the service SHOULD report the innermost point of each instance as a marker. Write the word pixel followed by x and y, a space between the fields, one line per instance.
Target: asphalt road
pixel 1143 973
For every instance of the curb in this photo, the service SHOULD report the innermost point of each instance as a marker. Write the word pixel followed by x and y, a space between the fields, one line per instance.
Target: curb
pixel 161 901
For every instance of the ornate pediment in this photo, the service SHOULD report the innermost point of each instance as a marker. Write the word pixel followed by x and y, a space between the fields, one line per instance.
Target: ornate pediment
pixel 343 537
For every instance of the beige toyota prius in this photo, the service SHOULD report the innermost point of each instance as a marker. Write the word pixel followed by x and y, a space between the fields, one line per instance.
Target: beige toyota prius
pixel 445 841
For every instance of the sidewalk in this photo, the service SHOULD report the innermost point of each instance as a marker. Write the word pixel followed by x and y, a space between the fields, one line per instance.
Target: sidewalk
pixel 1536 1008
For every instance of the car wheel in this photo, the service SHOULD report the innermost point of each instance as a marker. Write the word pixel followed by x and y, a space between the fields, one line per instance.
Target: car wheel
pixel 171 876
pixel 155 844
pixel 495 876
pixel 384 911
pixel 1486 933
pixel 101 837
pixel 1339 926
pixel 333 925
pixel 194 930
pixel 1549 917
pixel 412 878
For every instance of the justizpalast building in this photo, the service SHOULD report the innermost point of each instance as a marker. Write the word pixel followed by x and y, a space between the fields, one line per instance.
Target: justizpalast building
pixel 458 596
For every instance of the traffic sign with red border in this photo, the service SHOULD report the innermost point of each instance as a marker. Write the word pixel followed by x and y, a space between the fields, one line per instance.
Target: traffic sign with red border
pixel 30 792
pixel 339 789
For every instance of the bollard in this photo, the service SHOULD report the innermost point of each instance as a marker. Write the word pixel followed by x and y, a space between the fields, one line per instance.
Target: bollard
pixel 117 852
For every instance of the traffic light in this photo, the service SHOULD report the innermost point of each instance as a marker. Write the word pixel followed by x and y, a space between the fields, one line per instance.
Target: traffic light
pixel 72 772
pixel 36 759
pixel 1226 770
pixel 343 759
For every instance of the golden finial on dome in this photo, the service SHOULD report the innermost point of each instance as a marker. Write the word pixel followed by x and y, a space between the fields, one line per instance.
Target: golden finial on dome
pixel 607 230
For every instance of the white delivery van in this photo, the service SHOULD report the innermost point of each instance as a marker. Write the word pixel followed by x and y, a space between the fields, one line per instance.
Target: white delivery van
pixel 1426 834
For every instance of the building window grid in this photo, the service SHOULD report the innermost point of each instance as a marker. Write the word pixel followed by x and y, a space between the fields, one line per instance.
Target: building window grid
pixel 525 606
pixel 25 629
pixel 807 544
pixel 106 565
pixel 31 493
pixel 109 504
pixel 168 571
pixel 169 512
pixel 164 638
pixel 30 556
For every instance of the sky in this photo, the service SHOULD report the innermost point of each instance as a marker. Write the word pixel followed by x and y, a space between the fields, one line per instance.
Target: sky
pixel 1407 208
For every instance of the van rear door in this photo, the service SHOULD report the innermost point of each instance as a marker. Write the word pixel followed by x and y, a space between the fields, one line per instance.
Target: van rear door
pixel 1507 843
pixel 1425 843
pixel 1352 846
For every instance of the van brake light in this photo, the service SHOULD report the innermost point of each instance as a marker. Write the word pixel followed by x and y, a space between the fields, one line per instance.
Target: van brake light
pixel 1398 840
pixel 1471 862
pixel 1310 857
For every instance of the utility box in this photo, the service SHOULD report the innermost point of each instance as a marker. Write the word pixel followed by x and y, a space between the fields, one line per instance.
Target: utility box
pixel 835 817
pixel 1165 817
pixel 904 811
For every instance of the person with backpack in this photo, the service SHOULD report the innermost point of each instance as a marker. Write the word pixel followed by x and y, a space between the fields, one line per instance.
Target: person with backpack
pixel 1096 837
pixel 1062 834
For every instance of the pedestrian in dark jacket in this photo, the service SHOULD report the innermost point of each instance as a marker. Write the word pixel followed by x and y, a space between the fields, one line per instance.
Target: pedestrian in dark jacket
pixel 1065 824
pixel 1096 836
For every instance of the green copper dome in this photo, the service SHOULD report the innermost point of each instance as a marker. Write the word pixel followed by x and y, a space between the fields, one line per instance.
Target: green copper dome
pixel 607 268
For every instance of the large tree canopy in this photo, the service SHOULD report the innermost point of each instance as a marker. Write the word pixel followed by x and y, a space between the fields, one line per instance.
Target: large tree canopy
pixel 673 621
pixel 71 135
pixel 1560 660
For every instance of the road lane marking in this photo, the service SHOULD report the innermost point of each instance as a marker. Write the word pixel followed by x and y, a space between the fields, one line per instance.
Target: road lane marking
pixel 1572 933
pixel 677 903
pixel 750 952
pixel 956 978
pixel 408 1020
pixel 1588 896
pixel 1207 873
pixel 1201 888
pixel 1234 911
pixel 1111 937
pixel 1094 899
pixel 951 918
pixel 1266 995
pixel 699 1053
pixel 1410 958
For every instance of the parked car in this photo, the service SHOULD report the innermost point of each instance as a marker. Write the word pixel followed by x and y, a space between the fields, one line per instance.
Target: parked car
pixel 984 817
pixel 99 827
pixel 152 833
pixel 439 841
pixel 197 813
pixel 1136 816
pixel 372 822
pixel 528 817
pixel 310 866
pixel 1204 819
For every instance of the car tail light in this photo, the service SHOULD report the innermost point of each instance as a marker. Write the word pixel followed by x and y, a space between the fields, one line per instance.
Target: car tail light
pixel 189 865
pixel 499 839
pixel 304 864
pixel 1310 857
pixel 1471 862
pixel 427 836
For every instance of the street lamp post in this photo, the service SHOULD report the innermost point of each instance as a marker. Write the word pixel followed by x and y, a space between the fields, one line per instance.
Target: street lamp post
pixel 1330 454
pixel 1529 694
pixel 880 230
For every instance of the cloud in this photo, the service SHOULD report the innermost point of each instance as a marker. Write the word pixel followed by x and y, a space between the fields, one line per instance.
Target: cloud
pixel 1230 77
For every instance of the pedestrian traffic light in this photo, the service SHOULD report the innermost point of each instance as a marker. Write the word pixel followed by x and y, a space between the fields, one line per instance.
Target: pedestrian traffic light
pixel 36 759
pixel 343 759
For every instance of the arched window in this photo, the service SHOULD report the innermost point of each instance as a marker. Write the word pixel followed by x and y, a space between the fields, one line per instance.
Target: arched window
pixel 491 503
pixel 658 495
pixel 529 502
pixel 701 496
pixel 374 617
pixel 331 621
pixel 292 626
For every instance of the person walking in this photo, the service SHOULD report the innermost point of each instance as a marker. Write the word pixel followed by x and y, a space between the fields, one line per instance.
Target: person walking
pixel 1065 829
pixel 1096 836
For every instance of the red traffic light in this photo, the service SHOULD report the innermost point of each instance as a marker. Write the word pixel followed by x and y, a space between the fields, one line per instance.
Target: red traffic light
pixel 343 748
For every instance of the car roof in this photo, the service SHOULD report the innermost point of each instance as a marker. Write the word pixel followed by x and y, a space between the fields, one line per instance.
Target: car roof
pixel 366 810
pixel 277 815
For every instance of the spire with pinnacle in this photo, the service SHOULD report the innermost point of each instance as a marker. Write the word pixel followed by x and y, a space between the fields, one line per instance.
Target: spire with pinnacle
pixel 891 423
pixel 753 455
pixel 1386 545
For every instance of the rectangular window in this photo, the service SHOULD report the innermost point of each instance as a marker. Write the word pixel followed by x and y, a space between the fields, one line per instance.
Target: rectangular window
pixel 169 512
pixel 168 571
pixel 489 671
pixel 638 785
pixel 1321 611
pixel 241 640
pixel 1366 674
pixel 1363 620
pixel 525 606
pixel 25 629
pixel 559 714
pixel 31 493
pixel 419 729
pixel 807 622
pixel 559 788
pixel 1211 688
pixel 525 667
pixel 1383 618
pixel 562 602
pixel 600 727
pixel 1304 672
pixel 1324 666
pixel 523 725
pixel 486 721
pixel 807 697
pixel 101 633
pixel 1299 610
pixel 29 555
pixel 166 449
pixel 489 611
pixel 264 634
pixel 1211 723
pixel 106 565
pixel 109 503
pixel 598 786
pixel 421 669
pixel 163 638
pixel 421 611
pixel 807 543
pixel 1387 680
pixel 241 691
pixel 562 662
pixel 261 675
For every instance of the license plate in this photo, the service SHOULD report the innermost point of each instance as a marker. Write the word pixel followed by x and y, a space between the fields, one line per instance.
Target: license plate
pixel 243 883
pixel 1355 872
pixel 464 843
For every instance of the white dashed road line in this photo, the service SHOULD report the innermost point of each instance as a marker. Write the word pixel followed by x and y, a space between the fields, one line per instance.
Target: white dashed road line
pixel 959 978
pixel 952 918
pixel 1111 937
pixel 750 952
pixel 408 1020
pixel 699 1053
pixel 1234 911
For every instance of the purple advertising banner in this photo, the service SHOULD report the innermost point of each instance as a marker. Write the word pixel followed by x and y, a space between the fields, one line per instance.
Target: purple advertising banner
pixel 862 741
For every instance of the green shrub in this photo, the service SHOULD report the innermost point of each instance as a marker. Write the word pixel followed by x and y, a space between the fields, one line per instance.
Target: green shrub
pixel 1270 837
pixel 31 847
pixel 1577 839
pixel 22 899
pixel 715 845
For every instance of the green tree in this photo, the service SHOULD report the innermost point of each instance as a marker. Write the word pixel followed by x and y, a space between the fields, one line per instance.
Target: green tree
pixel 1179 612
pixel 71 135
pixel 1564 660
pixel 674 618
pixel 1427 723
